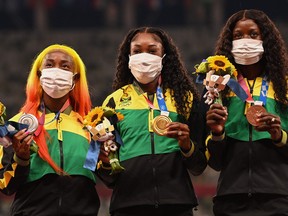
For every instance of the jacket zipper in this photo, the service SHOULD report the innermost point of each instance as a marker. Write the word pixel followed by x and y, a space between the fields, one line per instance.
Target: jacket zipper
pixel 156 192
pixel 60 140
pixel 61 166
pixel 154 171
pixel 250 162
pixel 250 146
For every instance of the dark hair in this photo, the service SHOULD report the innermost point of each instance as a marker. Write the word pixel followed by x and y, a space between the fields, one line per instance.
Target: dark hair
pixel 275 57
pixel 174 74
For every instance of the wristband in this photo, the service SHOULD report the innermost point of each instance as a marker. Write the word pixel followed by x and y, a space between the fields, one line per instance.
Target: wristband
pixel 20 161
pixel 190 152
pixel 283 141
pixel 218 137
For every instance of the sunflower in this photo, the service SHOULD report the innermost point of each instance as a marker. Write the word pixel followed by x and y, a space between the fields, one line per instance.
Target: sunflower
pixel 94 117
pixel 219 62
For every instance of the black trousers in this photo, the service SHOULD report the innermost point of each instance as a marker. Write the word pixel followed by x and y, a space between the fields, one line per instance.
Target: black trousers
pixel 254 205
pixel 164 210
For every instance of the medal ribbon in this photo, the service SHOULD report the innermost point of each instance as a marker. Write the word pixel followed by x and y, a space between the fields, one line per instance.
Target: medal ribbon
pixel 232 84
pixel 160 99
pixel 263 91
pixel 92 155
pixel 42 117
pixel 94 151
pixel 237 89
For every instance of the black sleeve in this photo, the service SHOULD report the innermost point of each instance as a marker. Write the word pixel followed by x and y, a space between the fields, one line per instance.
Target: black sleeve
pixel 105 176
pixel 283 149
pixel 216 151
pixel 12 175
pixel 197 162
pixel 197 124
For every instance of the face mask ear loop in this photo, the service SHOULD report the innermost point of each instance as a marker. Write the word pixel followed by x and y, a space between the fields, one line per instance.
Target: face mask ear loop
pixel 74 77
pixel 162 62
pixel 159 80
pixel 73 85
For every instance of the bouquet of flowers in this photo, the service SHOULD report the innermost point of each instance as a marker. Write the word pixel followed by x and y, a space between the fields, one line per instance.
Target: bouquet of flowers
pixel 218 70
pixel 100 123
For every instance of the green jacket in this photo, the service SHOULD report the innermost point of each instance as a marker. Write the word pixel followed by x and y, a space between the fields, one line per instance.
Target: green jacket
pixel 248 161
pixel 66 153
pixel 156 172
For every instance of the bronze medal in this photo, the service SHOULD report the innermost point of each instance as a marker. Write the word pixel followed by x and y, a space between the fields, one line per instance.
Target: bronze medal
pixel 252 114
pixel 159 124
pixel 29 120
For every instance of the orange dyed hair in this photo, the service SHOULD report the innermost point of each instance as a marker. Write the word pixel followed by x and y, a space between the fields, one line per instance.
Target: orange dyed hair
pixel 79 97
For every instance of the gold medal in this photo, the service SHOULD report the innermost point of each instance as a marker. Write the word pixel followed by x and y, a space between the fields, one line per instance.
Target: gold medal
pixel 159 124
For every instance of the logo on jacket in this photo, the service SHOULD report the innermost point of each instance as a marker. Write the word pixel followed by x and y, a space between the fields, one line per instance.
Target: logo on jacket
pixel 125 99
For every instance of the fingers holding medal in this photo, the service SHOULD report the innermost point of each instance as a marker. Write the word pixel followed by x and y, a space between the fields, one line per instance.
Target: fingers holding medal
pixel 165 127
pixel 159 124
pixel 254 113
pixel 178 131
pixel 262 120
pixel 30 120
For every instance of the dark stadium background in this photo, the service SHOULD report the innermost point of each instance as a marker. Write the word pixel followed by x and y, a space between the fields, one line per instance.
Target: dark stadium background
pixel 95 29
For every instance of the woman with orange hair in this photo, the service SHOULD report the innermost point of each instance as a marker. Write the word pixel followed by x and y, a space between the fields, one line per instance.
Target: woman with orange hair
pixel 52 181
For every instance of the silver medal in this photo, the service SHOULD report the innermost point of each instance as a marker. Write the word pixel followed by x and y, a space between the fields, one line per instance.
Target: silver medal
pixel 29 120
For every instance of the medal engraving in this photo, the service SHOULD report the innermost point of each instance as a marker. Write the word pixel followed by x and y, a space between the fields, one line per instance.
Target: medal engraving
pixel 159 124
pixel 252 114
pixel 29 120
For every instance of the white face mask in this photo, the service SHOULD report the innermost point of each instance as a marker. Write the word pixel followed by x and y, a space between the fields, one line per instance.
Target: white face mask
pixel 145 67
pixel 247 51
pixel 56 82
